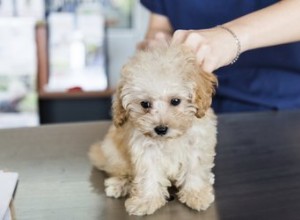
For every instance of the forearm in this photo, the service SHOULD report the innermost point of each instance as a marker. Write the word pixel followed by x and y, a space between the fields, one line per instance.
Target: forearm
pixel 158 23
pixel 159 28
pixel 276 24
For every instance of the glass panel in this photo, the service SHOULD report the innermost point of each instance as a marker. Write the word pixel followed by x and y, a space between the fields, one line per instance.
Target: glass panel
pixel 118 13
pixel 18 62
pixel 18 98
pixel 76 46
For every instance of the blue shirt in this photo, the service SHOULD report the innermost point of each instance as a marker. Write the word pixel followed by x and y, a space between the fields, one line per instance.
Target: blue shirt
pixel 268 78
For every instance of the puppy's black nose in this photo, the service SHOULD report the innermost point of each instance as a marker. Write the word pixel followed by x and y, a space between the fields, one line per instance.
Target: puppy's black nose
pixel 161 130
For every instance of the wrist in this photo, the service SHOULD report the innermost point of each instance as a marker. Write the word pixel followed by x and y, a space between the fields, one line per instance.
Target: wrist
pixel 236 41
pixel 241 32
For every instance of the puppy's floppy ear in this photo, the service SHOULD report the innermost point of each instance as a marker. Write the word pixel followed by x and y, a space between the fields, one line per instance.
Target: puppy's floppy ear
pixel 119 113
pixel 204 90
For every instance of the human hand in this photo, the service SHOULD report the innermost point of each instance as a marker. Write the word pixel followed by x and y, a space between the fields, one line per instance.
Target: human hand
pixel 213 47
pixel 152 42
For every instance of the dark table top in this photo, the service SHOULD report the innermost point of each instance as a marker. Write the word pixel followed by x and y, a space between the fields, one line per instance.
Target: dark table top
pixel 257 171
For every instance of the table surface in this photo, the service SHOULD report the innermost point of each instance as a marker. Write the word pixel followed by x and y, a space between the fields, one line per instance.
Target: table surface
pixel 257 171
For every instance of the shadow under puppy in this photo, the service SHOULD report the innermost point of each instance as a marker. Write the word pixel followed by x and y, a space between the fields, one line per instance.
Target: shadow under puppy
pixel 164 132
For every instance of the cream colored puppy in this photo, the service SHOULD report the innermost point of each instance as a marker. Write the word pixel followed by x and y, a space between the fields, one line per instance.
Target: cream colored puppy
pixel 164 132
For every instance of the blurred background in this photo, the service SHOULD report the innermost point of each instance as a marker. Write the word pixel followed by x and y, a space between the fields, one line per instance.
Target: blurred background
pixel 60 60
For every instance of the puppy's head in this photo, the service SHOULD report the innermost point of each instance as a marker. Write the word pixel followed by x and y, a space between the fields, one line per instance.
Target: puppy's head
pixel 162 90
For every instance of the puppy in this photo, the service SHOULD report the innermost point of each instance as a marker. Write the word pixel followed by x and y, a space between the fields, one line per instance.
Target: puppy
pixel 164 132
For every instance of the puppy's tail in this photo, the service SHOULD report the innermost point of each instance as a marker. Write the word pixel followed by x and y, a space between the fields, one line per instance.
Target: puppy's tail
pixel 96 156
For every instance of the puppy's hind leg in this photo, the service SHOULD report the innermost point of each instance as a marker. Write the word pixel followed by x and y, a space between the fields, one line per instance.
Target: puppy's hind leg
pixel 97 157
pixel 118 184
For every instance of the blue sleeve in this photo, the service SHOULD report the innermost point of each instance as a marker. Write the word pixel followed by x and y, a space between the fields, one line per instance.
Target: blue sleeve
pixel 155 6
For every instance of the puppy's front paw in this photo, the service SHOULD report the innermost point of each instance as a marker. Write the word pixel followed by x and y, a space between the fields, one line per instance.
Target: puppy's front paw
pixel 197 199
pixel 143 206
pixel 116 187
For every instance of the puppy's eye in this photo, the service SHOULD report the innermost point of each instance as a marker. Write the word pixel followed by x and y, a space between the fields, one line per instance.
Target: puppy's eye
pixel 175 101
pixel 145 104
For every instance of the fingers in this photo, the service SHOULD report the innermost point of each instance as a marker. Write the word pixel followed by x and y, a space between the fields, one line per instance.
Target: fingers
pixel 201 53
pixel 147 43
pixel 161 36
pixel 188 38
pixel 208 66
pixel 142 45
pixel 179 36
pixel 158 38
pixel 194 41
pixel 199 44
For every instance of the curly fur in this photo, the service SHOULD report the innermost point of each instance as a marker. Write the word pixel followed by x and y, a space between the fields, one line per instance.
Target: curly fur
pixel 141 163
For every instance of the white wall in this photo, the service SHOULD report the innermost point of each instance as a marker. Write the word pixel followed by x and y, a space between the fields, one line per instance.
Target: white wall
pixel 122 43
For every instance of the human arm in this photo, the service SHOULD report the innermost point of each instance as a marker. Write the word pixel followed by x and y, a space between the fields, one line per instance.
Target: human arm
pixel 159 28
pixel 216 47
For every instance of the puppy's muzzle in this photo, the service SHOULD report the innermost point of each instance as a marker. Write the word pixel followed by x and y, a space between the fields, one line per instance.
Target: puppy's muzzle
pixel 161 130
